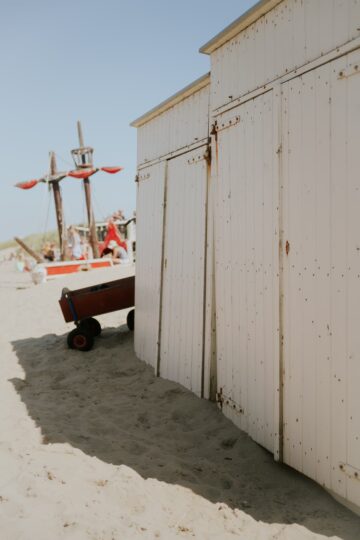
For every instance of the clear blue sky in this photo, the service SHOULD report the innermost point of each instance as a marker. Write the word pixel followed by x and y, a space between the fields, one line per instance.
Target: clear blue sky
pixel 104 62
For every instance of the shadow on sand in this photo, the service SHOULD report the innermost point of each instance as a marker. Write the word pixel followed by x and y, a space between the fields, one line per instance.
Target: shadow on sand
pixel 109 404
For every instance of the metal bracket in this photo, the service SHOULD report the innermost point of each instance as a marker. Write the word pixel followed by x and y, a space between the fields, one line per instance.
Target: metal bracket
pixel 349 71
pixel 141 177
pixel 351 472
pixel 199 157
pixel 219 126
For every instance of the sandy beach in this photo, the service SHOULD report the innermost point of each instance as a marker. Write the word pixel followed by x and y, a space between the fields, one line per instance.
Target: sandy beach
pixel 93 446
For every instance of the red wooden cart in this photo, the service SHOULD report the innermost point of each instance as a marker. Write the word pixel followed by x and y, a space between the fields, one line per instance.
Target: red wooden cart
pixel 81 305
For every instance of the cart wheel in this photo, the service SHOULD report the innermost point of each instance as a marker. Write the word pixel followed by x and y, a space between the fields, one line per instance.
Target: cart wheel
pixel 80 339
pixel 92 325
pixel 130 320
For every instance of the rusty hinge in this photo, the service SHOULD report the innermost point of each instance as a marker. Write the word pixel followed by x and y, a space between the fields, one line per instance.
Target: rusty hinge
pixel 213 130
pixel 287 247
pixel 350 471
pixel 200 157
pixel 219 398
pixel 142 177
pixel 349 71
pixel 226 124
pixel 207 155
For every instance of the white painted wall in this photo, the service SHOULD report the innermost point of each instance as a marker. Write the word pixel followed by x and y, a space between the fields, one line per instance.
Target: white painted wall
pixel 149 233
pixel 182 327
pixel 170 279
pixel 289 36
pixel 321 201
pixel 284 169
pixel 182 125
pixel 246 258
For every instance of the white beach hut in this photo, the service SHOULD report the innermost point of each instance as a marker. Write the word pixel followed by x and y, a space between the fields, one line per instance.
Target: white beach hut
pixel 172 193
pixel 273 316
pixel 285 107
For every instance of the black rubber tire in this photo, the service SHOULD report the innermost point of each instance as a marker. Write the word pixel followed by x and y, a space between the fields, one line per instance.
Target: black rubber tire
pixel 80 339
pixel 92 325
pixel 130 320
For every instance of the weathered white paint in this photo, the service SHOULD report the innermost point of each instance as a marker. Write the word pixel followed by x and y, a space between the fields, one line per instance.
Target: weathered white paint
pixel 182 326
pixel 149 234
pixel 170 295
pixel 246 255
pixel 178 127
pixel 321 203
pixel 298 320
pixel 292 34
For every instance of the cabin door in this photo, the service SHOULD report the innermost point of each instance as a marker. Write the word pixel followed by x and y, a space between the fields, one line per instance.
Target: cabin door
pixel 246 266
pixel 321 274
pixel 183 280
pixel 149 233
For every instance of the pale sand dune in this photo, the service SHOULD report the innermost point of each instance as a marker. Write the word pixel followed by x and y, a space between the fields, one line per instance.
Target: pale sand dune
pixel 93 446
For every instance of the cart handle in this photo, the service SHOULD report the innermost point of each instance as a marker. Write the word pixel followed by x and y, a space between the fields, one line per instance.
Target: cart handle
pixel 66 293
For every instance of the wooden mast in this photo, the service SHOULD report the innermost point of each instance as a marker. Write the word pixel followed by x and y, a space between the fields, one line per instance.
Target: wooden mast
pixel 58 204
pixel 87 189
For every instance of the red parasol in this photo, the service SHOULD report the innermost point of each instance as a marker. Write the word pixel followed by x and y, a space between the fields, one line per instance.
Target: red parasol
pixel 82 173
pixel 112 170
pixel 27 185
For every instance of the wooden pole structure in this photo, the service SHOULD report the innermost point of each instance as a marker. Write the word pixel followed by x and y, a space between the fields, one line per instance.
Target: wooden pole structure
pixel 58 205
pixel 90 214
pixel 28 250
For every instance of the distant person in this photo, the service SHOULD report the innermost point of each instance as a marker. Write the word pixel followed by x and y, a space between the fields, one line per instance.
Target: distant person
pixel 116 252
pixel 48 252
pixel 74 243
pixel 113 235
pixel 119 215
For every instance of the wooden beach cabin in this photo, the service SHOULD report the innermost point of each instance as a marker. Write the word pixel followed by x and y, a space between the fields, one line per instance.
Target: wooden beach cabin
pixel 172 193
pixel 282 301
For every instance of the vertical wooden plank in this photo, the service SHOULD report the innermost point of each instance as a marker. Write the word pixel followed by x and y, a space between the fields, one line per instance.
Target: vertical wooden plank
pixel 293 318
pixel 259 44
pixel 243 381
pixel 325 26
pixel 341 22
pixel 353 279
pixel 220 239
pixel 183 284
pixel 250 268
pixel 312 328
pixel 284 380
pixel 245 357
pixel 354 16
pixel 320 128
pixel 259 349
pixel 269 48
pixel 339 251
pixel 149 242
pixel 228 245
pixel 269 268
pixel 298 33
pixel 274 266
pixel 230 139
pixel 312 38
pixel 321 312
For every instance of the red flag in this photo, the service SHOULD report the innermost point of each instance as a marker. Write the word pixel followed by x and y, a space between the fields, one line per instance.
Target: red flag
pixel 112 170
pixel 27 185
